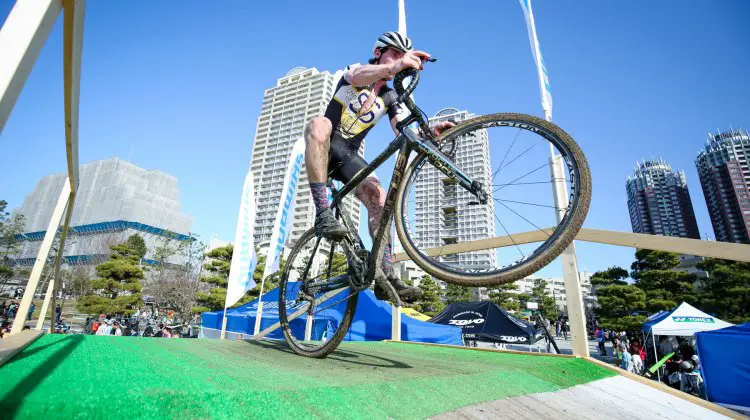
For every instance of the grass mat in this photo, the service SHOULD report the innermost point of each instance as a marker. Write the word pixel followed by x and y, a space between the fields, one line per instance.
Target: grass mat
pixel 76 376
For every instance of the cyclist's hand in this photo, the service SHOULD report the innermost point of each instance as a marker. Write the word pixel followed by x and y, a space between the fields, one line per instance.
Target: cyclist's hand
pixel 411 60
pixel 438 128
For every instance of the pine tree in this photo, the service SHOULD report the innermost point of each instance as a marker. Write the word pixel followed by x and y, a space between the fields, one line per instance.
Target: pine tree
pixel 117 290
pixel 431 301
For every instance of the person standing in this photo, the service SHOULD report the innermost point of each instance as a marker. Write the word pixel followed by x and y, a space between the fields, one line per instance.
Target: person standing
pixel 31 311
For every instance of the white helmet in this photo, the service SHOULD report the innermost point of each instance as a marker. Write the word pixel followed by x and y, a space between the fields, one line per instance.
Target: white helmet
pixel 395 40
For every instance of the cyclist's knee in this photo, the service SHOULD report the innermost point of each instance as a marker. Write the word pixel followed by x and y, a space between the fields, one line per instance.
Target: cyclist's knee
pixel 318 130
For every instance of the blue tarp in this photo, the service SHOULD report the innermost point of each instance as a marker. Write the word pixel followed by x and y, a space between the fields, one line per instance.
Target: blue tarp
pixel 372 321
pixel 725 365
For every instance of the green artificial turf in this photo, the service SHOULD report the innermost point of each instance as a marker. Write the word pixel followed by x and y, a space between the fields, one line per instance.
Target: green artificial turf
pixel 76 376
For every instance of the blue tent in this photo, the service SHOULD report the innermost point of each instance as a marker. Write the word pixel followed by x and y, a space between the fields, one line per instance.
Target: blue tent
pixel 372 321
pixel 725 365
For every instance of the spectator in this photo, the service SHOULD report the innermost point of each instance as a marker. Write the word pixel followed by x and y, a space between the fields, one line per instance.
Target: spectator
pixel 165 333
pixel 58 312
pixel 627 360
pixel 637 362
pixel 117 331
pixel 602 339
pixel 31 311
pixel 12 310
pixel 673 371
pixel 696 363
pixel 106 328
pixel 565 329
pixel 690 381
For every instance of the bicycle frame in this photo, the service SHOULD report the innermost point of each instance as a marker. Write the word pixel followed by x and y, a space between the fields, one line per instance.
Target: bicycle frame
pixel 405 143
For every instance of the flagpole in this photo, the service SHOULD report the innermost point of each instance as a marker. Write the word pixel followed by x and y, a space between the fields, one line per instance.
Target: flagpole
pixel 560 195
pixel 259 313
pixel 224 324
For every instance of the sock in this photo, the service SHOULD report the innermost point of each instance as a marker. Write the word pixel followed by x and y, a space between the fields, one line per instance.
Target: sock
pixel 319 195
pixel 387 263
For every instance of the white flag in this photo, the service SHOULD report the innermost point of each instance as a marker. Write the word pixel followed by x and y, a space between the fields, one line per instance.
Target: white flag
pixel 244 258
pixel 544 88
pixel 282 225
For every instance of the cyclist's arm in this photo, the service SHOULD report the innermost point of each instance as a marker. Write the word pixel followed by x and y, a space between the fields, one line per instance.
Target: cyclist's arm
pixel 367 74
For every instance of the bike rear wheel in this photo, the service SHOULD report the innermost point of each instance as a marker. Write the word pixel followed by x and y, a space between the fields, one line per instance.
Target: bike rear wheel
pixel 439 222
pixel 315 321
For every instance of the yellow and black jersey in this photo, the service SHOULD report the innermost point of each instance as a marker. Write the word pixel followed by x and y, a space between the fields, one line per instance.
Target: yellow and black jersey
pixel 350 121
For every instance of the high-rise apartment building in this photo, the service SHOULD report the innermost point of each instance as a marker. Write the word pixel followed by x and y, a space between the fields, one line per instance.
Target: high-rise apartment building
pixel 303 93
pixel 442 211
pixel 725 178
pixel 659 201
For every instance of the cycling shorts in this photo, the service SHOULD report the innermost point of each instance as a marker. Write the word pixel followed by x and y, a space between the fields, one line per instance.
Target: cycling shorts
pixel 343 162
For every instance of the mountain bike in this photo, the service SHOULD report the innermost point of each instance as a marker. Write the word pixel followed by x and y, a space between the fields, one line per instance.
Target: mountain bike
pixel 442 197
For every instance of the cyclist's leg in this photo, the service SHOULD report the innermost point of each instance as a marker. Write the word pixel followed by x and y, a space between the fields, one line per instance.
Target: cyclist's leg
pixel 318 142
pixel 372 195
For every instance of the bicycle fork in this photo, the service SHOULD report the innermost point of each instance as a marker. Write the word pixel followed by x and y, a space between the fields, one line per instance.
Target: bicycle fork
pixel 445 165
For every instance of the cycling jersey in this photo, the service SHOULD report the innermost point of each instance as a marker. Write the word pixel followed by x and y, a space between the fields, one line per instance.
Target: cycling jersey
pixel 351 125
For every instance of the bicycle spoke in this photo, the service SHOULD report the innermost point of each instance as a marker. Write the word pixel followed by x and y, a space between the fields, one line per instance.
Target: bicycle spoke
pixel 517 214
pixel 527 183
pixel 500 166
pixel 523 153
pixel 510 236
pixel 522 176
pixel 531 204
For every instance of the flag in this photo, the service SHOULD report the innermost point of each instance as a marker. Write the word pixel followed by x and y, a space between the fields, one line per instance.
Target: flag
pixel 244 258
pixel 282 225
pixel 544 88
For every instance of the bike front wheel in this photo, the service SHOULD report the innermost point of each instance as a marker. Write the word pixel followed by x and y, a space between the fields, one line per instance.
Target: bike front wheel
pixel 316 304
pixel 527 220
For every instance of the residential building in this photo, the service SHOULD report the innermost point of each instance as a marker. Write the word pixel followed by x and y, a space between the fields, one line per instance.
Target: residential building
pixel 725 177
pixel 659 201
pixel 301 94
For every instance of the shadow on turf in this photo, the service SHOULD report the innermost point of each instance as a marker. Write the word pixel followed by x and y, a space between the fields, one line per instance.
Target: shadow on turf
pixel 347 356
pixel 14 398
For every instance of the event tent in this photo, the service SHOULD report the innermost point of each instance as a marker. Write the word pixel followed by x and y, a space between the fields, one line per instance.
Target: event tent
pixel 725 365
pixel 486 321
pixel 685 320
pixel 372 321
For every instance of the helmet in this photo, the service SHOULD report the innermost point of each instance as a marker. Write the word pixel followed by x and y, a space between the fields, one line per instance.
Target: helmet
pixel 395 40
pixel 686 366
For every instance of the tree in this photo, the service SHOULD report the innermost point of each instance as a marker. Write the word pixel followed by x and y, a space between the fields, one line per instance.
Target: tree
pixel 431 301
pixel 546 303
pixel 457 293
pixel 117 289
pixel 610 276
pixel 214 298
pixel 665 287
pixel 726 291
pixel 505 297
pixel 618 305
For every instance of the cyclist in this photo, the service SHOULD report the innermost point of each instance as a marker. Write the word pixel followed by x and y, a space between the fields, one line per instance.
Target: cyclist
pixel 361 98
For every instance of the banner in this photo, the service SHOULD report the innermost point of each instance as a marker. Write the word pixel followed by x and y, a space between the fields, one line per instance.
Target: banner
pixel 282 225
pixel 244 258
pixel 544 88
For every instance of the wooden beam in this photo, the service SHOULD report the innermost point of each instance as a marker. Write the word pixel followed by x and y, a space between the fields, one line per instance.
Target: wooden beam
pixel 72 51
pixel 21 39
pixel 712 249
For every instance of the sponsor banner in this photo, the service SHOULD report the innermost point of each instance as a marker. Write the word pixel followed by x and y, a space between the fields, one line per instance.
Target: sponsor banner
pixel 282 226
pixel 544 88
pixel 244 258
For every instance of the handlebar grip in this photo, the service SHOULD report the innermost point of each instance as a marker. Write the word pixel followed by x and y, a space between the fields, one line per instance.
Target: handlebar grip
pixel 398 83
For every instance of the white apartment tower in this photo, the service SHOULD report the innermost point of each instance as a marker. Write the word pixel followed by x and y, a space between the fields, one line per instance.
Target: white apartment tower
pixel 442 210
pixel 303 93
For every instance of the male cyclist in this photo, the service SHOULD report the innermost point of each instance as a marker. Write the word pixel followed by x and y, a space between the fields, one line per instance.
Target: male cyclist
pixel 360 100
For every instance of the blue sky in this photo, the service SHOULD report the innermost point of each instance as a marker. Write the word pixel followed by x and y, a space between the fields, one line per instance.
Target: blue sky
pixel 177 86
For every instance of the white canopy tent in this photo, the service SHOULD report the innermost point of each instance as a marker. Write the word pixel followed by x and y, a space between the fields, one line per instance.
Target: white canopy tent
pixel 685 320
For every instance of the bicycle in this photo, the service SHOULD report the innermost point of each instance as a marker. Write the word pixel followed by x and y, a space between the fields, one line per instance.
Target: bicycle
pixel 320 286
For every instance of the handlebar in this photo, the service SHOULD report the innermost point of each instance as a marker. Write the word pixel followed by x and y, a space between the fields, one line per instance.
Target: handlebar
pixel 405 98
